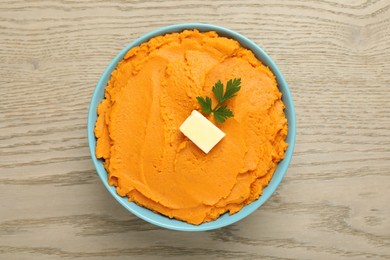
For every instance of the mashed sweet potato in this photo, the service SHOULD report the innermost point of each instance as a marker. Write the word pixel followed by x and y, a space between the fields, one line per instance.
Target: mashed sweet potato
pixel 149 95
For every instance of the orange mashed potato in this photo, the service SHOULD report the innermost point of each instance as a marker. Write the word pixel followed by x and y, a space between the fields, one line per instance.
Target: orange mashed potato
pixel 150 94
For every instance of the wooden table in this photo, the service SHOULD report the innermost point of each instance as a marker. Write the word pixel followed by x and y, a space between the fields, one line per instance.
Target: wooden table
pixel 334 202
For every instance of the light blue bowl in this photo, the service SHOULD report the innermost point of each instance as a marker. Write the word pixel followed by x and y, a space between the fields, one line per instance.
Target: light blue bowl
pixel 225 219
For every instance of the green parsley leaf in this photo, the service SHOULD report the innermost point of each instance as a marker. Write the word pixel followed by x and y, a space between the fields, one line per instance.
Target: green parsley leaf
pixel 232 87
pixel 206 104
pixel 221 113
pixel 218 91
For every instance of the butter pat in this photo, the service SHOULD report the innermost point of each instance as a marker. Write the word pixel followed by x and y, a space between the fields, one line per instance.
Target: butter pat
pixel 201 131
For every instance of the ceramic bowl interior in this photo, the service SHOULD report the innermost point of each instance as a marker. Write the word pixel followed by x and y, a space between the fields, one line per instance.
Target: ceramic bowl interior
pixel 225 219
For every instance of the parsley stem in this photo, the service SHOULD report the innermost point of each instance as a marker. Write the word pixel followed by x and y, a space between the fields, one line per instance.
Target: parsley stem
pixel 217 106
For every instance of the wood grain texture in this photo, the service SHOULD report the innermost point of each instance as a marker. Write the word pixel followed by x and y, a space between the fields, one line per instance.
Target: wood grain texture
pixel 333 202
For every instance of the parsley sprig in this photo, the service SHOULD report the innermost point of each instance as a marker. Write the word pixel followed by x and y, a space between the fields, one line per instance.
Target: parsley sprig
pixel 221 112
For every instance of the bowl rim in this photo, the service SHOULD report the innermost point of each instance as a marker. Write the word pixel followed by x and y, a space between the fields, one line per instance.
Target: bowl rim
pixel 225 219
